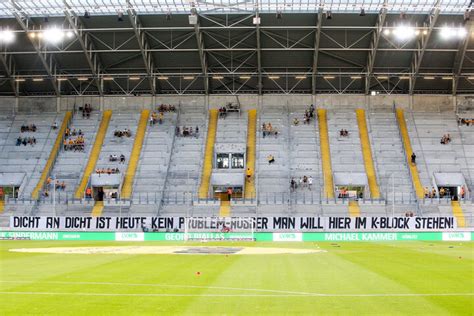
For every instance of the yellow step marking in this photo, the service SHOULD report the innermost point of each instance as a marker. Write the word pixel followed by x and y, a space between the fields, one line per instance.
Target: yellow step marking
pixel 367 154
pixel 135 155
pixel 325 154
pixel 208 154
pixel 458 213
pixel 354 210
pixel 2 205
pixel 95 152
pixel 224 210
pixel 97 209
pixel 408 150
pixel 52 156
pixel 251 147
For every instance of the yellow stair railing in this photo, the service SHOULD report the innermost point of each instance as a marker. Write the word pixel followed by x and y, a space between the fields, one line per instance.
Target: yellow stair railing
pixel 52 156
pixel 208 154
pixel 224 210
pixel 325 154
pixel 408 150
pixel 94 155
pixel 354 209
pixel 251 148
pixel 98 208
pixel 135 155
pixel 458 213
pixel 367 154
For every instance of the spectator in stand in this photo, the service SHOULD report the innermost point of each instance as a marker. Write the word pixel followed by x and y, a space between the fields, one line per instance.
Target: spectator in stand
pixel 160 117
pixel 293 184
pixel 446 139
pixel 310 182
pixel 271 159
pixel 296 122
pixel 249 173
pixel 88 193
pixel 122 158
pixel 55 125
pixel 153 118
pixel 413 158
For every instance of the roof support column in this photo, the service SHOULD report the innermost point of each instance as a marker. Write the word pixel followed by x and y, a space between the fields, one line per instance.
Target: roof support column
pixel 201 49
pixel 317 38
pixel 461 54
pixel 422 44
pixel 8 64
pixel 374 45
pixel 86 44
pixel 47 61
pixel 259 52
pixel 143 44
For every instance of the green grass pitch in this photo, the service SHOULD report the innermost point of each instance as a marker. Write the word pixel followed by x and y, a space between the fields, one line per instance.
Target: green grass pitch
pixel 389 278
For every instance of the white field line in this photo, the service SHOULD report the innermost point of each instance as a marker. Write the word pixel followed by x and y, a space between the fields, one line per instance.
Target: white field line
pixel 232 295
pixel 276 292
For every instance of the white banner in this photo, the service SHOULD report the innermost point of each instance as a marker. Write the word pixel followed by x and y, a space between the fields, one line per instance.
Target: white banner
pixel 218 224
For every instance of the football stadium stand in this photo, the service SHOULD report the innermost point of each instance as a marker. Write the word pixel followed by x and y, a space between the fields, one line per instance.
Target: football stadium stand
pixel 316 169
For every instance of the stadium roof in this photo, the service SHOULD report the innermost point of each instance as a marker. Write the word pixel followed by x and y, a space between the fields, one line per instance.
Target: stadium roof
pixel 107 7
pixel 266 46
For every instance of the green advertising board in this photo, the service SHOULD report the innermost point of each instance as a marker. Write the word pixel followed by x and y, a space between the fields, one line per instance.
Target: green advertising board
pixel 283 237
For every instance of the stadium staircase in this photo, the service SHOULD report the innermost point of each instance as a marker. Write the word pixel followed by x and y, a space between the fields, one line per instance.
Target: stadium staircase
pixel 52 156
pixel 208 154
pixel 325 154
pixel 135 155
pixel 118 145
pixel 304 160
pixel 273 179
pixel 184 168
pixel 354 209
pixel 250 192
pixel 367 154
pixel 94 154
pixel 391 163
pixel 458 213
pixel 405 134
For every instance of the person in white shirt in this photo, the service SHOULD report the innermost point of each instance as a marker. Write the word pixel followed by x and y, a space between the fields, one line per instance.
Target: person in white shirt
pixel 310 182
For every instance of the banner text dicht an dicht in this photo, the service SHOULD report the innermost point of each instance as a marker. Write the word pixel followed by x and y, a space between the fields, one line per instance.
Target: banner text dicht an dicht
pixel 235 224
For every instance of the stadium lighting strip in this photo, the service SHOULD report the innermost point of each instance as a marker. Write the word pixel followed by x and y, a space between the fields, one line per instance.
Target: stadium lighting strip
pixel 406 32
pixel 53 35
pixel 246 77
pixel 7 36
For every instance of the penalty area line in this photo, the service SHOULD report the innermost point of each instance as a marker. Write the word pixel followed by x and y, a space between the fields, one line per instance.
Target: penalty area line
pixel 232 295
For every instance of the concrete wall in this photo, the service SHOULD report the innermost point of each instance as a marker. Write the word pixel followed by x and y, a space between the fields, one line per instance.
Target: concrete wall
pixel 7 105
pixel 465 103
pixel 37 105
pixel 421 103
pixel 279 99
pixel 436 103
pixel 67 102
pixel 385 102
